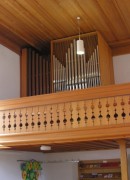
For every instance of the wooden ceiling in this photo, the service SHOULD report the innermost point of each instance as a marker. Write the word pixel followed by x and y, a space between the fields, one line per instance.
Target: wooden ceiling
pixel 71 147
pixel 37 22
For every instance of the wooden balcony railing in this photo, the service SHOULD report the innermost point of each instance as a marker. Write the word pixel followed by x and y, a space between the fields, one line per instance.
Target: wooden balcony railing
pixel 82 112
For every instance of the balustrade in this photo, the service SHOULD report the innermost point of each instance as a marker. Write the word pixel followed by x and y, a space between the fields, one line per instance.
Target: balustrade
pixel 66 114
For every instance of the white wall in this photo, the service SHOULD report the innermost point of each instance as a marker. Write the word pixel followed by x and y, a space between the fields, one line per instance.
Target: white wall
pixel 122 68
pixel 10 167
pixel 9 74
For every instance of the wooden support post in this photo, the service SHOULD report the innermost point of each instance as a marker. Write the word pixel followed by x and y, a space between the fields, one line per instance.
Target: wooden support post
pixel 123 153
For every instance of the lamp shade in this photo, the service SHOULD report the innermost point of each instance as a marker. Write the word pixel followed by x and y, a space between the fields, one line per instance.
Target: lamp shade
pixel 80 47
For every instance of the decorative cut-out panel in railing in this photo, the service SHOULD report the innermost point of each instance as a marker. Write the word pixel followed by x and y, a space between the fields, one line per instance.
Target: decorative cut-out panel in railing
pixel 62 116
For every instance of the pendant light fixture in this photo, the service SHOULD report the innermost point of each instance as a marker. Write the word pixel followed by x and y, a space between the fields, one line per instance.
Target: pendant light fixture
pixel 80 43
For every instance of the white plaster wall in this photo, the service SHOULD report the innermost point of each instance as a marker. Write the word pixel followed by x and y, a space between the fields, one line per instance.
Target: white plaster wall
pixel 10 167
pixel 9 74
pixel 60 171
pixel 121 68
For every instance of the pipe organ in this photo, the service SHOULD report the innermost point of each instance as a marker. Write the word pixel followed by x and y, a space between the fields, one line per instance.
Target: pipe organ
pixel 35 73
pixel 67 70
pixel 71 71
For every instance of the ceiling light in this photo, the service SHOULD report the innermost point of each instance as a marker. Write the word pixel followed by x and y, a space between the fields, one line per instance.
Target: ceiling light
pixel 104 161
pixel 4 147
pixel 80 43
pixel 45 148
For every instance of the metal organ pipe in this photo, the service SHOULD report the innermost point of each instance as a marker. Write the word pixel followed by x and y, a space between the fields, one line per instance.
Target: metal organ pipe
pixel 76 71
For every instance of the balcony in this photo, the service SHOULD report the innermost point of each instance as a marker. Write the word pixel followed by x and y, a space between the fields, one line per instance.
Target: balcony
pixel 101 113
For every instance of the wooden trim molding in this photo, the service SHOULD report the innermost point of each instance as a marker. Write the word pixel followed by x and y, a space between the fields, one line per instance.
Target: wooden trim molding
pixel 73 135
pixel 67 96
pixel 121 50
pixel 116 129
pixel 10 44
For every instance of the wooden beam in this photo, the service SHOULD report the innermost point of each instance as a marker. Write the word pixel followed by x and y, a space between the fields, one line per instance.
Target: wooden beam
pixel 10 44
pixel 64 136
pixel 124 163
pixel 120 43
pixel 66 96
pixel 121 50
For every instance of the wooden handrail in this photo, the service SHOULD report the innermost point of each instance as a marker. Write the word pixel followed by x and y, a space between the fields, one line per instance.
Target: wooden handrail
pixel 82 115
pixel 66 96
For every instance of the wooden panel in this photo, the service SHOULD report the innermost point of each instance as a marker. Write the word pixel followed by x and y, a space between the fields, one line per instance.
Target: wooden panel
pixel 67 96
pixel 35 71
pixel 41 75
pixel 10 41
pixel 67 136
pixel 33 74
pixel 29 72
pixel 106 64
pixel 67 117
pixel 64 116
pixel 9 44
pixel 38 22
pixel 23 73
pixel 68 147
pixel 121 50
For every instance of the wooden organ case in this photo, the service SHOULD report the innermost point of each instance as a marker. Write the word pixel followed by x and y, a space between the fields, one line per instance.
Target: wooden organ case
pixel 67 70
pixel 71 71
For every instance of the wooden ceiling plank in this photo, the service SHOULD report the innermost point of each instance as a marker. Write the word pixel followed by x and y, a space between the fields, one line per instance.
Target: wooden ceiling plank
pixel 41 17
pixel 123 8
pixel 18 33
pixel 49 17
pixel 103 145
pixel 59 17
pixel 37 22
pixel 18 29
pixel 110 14
pixel 23 16
pixel 121 50
pixel 20 22
pixel 120 43
pixel 98 20
pixel 73 12
pixel 69 147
